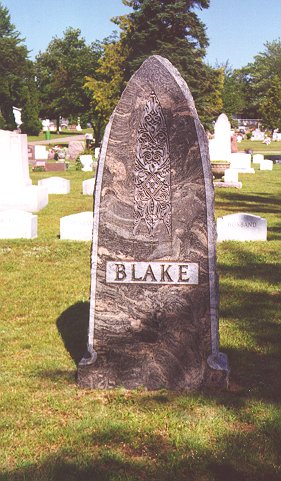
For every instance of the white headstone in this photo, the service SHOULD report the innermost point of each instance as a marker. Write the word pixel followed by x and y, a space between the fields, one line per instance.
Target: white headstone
pixel 16 191
pixel 88 186
pixel 97 152
pixel 266 164
pixel 16 224
pixel 241 162
pixel 40 152
pixel 77 227
pixel 230 175
pixel 258 158
pixel 87 162
pixel 220 146
pixel 56 185
pixel 241 227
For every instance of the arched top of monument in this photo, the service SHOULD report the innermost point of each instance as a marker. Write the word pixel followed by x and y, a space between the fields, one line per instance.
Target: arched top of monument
pixel 158 74
pixel 222 119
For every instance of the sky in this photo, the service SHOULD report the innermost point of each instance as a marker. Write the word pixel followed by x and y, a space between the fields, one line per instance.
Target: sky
pixel 237 29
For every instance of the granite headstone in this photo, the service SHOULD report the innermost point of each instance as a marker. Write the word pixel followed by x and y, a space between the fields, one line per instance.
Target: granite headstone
pixel 154 291
pixel 241 227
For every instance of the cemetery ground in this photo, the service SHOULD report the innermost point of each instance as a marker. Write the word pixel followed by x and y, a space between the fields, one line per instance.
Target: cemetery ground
pixel 53 430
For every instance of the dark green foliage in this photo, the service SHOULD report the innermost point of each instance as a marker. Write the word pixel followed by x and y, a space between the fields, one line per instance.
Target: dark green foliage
pixel 233 96
pixel 13 68
pixel 172 29
pixel 260 81
pixel 61 71
pixel 17 86
pixel 31 124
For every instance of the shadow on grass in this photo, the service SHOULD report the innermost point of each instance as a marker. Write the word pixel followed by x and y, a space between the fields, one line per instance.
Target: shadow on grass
pixel 73 328
pixel 252 308
pixel 260 202
pixel 118 456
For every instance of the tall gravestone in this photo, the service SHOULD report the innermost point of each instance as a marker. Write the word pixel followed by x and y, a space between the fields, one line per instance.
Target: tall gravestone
pixel 220 146
pixel 154 291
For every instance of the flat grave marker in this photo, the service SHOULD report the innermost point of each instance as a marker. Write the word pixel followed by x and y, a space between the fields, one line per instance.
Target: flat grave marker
pixel 56 185
pixel 16 224
pixel 241 227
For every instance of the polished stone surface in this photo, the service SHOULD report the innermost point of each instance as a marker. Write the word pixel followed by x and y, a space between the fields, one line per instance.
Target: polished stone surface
pixel 154 226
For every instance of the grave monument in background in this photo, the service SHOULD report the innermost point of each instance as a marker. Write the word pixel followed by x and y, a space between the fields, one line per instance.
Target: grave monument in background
pixel 16 189
pixel 154 287
pixel 220 145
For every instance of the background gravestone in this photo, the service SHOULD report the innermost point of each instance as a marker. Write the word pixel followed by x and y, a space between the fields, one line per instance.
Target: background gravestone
pixel 220 146
pixel 154 300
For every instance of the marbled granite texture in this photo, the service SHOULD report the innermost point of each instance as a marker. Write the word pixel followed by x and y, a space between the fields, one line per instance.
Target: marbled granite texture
pixel 154 335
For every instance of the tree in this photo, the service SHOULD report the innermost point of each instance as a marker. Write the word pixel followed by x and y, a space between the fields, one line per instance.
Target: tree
pixel 107 85
pixel 233 96
pixel 13 68
pixel 259 80
pixel 270 106
pixel 61 72
pixel 172 29
pixel 30 104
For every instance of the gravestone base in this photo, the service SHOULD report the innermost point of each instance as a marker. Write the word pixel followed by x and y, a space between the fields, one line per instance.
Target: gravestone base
pixel 245 171
pixel 235 185
pixel 144 370
pixel 16 224
pixel 29 199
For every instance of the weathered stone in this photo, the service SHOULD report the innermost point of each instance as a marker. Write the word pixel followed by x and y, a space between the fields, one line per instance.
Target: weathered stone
pixel 75 147
pixel 154 292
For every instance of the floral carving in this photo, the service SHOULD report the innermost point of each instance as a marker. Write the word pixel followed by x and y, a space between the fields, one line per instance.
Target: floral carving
pixel 152 170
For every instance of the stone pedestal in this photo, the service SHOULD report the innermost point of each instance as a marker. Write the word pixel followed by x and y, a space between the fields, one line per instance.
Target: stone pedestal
pixel 16 224
pixel 16 191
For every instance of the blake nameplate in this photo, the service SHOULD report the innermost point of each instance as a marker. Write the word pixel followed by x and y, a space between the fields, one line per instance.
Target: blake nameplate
pixel 152 273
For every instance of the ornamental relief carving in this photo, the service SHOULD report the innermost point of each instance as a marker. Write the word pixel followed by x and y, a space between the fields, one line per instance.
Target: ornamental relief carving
pixel 152 203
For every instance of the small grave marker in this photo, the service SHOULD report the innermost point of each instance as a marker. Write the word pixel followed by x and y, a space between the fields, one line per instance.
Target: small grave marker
pixel 241 227
pixel 16 224
pixel 56 185
pixel 77 226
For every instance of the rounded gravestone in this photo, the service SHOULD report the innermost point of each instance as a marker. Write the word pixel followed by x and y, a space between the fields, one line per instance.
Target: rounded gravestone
pixel 154 298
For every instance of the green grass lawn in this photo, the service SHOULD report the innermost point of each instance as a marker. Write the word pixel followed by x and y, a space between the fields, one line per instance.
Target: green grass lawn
pixel 52 430
pixel 54 135
pixel 259 148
